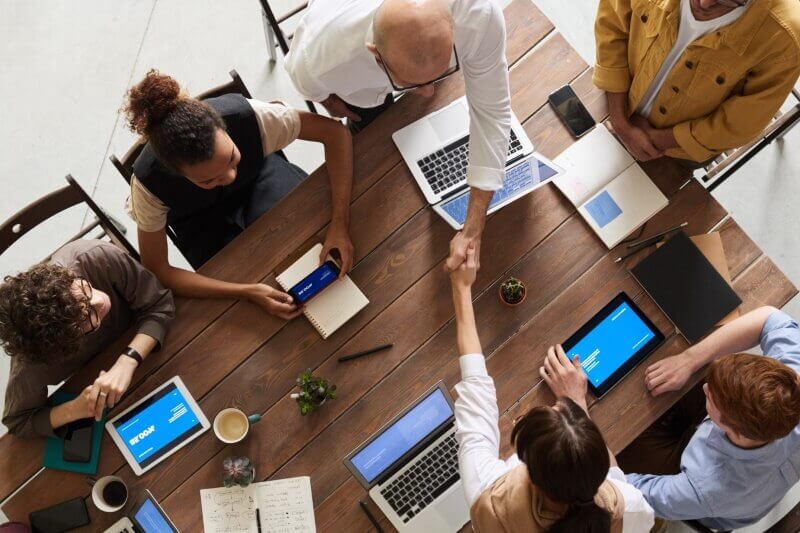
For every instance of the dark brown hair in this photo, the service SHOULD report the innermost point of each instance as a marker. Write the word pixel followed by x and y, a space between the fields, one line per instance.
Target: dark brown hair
pixel 41 318
pixel 181 130
pixel 757 396
pixel 567 460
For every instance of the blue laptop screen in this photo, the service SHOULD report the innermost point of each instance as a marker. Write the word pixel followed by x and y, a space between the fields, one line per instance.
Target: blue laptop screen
pixel 611 343
pixel 150 520
pixel 519 180
pixel 402 435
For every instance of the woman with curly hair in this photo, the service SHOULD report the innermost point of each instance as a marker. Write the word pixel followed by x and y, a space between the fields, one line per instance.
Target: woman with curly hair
pixel 55 317
pixel 210 169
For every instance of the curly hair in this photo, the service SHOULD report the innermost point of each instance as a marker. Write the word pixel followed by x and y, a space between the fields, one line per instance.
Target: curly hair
pixel 180 129
pixel 41 318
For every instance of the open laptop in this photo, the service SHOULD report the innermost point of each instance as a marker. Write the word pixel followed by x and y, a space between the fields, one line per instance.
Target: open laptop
pixel 436 149
pixel 146 517
pixel 410 467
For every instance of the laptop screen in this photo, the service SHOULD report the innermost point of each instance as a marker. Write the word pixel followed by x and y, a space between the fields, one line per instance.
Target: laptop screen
pixel 149 518
pixel 402 435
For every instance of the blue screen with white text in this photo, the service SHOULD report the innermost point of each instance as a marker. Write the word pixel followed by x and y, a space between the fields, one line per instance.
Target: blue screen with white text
pixel 150 520
pixel 611 343
pixel 312 284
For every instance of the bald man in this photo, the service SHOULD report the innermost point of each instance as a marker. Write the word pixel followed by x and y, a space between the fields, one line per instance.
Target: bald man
pixel 351 55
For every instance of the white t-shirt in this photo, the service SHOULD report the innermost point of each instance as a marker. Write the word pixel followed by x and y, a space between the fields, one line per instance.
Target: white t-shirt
pixel 689 30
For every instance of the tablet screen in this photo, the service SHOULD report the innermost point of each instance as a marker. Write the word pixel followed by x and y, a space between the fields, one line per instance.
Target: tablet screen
pixel 157 425
pixel 613 342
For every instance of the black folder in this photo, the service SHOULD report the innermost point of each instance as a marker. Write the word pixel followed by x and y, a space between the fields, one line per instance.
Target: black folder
pixel 686 286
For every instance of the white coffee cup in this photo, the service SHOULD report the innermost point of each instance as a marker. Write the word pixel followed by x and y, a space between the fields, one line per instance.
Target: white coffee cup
pixel 100 501
pixel 232 425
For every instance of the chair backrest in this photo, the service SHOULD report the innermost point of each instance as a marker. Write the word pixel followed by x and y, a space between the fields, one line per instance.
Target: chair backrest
pixel 54 203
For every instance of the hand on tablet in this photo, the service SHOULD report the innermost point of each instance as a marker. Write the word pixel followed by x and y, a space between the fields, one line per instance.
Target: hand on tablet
pixel 564 377
pixel 669 374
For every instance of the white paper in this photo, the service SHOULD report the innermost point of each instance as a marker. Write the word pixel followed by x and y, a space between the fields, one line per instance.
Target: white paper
pixel 228 510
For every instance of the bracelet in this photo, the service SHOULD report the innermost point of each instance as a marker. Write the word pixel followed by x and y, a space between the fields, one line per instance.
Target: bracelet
pixel 133 354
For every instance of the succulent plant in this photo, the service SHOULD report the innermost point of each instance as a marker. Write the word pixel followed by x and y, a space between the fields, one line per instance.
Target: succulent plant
pixel 512 291
pixel 314 391
pixel 238 471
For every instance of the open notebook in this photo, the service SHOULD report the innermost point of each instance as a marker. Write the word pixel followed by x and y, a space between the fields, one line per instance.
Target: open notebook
pixel 610 191
pixel 334 306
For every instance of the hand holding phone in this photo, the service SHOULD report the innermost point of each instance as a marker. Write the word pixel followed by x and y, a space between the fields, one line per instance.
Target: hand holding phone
pixel 313 284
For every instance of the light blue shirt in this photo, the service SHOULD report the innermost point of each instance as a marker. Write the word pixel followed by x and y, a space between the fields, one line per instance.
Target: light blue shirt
pixel 725 486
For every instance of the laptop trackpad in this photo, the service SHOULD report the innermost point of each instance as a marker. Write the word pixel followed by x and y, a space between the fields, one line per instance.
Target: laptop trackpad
pixel 450 123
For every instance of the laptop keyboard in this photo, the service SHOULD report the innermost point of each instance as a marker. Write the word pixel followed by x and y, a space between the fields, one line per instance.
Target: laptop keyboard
pixel 420 485
pixel 448 166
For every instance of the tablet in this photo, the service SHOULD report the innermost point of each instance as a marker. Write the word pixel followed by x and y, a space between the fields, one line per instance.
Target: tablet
pixel 156 426
pixel 614 341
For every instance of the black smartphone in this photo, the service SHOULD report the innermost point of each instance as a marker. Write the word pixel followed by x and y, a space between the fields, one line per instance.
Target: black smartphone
pixel 60 517
pixel 571 111
pixel 314 283
pixel 78 441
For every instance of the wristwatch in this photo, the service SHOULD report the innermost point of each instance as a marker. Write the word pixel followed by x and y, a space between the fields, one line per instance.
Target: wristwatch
pixel 133 354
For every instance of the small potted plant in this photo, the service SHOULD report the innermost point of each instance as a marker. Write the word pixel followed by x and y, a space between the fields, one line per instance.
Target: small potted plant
pixel 238 471
pixel 512 291
pixel 313 393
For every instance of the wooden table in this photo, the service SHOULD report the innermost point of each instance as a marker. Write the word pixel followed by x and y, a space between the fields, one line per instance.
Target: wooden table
pixel 231 354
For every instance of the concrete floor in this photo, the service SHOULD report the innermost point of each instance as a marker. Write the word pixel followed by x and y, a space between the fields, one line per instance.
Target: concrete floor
pixel 67 65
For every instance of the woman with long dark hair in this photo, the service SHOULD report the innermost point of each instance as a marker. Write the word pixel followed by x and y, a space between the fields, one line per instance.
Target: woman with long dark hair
pixel 563 478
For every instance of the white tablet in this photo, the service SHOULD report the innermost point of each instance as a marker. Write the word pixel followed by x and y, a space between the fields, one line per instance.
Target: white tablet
pixel 156 426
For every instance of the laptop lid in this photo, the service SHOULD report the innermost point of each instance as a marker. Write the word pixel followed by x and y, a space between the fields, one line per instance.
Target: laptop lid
pixel 148 516
pixel 400 440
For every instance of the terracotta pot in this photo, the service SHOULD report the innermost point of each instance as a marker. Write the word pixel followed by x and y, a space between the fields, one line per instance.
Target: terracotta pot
pixel 524 295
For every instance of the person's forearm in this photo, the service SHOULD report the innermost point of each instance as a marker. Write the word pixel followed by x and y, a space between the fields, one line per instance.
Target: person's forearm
pixel 618 109
pixel 339 162
pixel 476 212
pixel 466 329
pixel 737 336
pixel 64 413
pixel 143 343
pixel 664 139
pixel 194 285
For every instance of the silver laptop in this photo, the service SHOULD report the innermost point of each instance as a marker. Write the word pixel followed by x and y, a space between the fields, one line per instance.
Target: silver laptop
pixel 436 149
pixel 146 517
pixel 410 467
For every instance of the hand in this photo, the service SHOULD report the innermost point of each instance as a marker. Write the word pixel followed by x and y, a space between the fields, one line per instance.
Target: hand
pixel 338 108
pixel 635 136
pixel 86 405
pixel 338 239
pixel 112 384
pixel 564 377
pixel 273 301
pixel 669 374
pixel 458 251
pixel 464 275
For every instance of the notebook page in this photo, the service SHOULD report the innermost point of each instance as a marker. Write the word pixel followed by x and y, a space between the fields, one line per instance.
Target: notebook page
pixel 590 164
pixel 286 505
pixel 228 510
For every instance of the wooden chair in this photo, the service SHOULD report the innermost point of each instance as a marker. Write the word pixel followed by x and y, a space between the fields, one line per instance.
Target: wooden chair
pixel 54 203
pixel 275 36
pixel 724 165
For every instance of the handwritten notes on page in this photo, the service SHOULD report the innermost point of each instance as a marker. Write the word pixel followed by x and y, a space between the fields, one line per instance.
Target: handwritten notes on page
pixel 285 506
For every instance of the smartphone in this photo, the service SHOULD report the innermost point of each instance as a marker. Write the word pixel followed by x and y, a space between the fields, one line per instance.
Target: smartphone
pixel 60 517
pixel 571 111
pixel 78 441
pixel 314 283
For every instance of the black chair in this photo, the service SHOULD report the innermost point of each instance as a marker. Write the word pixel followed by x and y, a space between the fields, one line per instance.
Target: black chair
pixel 56 202
pixel 275 35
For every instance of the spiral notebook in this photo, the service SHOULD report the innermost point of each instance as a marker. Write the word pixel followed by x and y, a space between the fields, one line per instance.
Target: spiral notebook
pixel 334 306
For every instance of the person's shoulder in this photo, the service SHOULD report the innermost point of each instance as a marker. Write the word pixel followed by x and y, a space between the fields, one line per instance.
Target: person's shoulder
pixel 784 15
pixel 78 250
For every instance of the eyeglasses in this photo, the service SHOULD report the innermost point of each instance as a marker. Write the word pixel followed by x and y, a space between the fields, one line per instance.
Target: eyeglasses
pixel 92 317
pixel 449 72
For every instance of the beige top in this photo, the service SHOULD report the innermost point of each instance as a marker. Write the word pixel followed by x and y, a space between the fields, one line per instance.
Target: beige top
pixel 279 125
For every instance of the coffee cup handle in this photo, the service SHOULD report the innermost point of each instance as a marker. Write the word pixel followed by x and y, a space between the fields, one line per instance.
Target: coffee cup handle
pixel 254 418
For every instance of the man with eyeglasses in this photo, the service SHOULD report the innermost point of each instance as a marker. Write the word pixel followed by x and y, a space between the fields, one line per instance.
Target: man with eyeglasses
pixel 352 55
pixel 58 315
pixel 692 78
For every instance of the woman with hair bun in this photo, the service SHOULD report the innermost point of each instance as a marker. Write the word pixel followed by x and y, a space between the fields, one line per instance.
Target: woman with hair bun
pixel 209 170
pixel 562 478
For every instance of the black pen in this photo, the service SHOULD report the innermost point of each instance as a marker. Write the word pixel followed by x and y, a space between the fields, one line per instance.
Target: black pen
pixel 657 236
pixel 637 250
pixel 365 352
pixel 369 515
pixel 258 519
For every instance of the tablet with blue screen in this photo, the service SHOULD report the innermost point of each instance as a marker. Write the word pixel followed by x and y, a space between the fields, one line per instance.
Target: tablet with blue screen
pixel 612 343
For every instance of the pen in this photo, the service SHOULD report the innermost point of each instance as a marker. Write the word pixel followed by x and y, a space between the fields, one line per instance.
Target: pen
pixel 258 519
pixel 371 518
pixel 637 250
pixel 365 352
pixel 657 236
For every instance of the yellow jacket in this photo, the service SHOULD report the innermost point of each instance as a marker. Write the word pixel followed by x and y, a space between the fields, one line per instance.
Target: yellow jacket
pixel 724 89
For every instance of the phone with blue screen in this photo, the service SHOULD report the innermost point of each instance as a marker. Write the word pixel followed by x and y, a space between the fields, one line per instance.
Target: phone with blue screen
pixel 313 284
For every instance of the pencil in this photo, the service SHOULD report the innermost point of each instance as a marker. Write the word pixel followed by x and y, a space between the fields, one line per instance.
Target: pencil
pixel 365 352
pixel 657 236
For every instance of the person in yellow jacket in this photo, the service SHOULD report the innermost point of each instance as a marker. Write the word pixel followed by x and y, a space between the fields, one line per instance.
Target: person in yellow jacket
pixel 692 78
